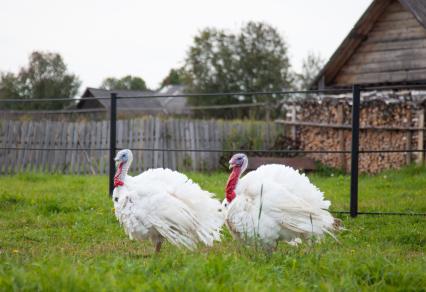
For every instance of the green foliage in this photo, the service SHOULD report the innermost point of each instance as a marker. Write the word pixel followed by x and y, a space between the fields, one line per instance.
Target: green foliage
pixel 175 77
pixel 58 233
pixel 126 83
pixel 255 59
pixel 45 77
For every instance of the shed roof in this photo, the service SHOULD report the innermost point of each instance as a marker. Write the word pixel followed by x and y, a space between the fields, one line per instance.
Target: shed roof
pixel 169 104
pixel 359 33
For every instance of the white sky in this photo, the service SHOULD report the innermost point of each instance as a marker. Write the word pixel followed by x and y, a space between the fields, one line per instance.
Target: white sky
pixel 103 38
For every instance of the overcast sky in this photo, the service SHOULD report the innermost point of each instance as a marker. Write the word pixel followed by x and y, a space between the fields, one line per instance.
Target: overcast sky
pixel 102 38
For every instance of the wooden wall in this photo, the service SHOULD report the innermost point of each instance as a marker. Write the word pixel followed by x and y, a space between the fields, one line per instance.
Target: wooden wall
pixel 394 51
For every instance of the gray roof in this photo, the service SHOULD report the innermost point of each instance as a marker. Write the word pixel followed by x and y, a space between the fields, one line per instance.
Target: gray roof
pixel 152 105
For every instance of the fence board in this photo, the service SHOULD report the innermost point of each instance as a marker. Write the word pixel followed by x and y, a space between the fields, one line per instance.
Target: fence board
pixel 180 144
pixel 5 143
pixel 61 161
pixel 172 143
pixel 3 128
pixel 50 144
pixel 151 139
pixel 156 136
pixel 57 143
pixel 25 154
pixel 73 145
pixel 44 144
pixel 68 154
pixel 146 154
pixel 104 144
pixel 23 131
pixel 79 153
pixel 136 127
pixel 8 143
pixel 13 154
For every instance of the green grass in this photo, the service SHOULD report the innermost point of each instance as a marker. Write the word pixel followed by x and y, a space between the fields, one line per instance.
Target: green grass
pixel 58 233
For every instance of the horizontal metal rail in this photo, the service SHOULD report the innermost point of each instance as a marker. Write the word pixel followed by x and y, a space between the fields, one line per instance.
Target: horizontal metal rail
pixel 182 95
pixel 48 99
pixel 222 150
pixel 393 87
pixel 393 151
pixel 381 213
pixel 252 93
pixel 145 109
pixel 339 90
pixel 176 150
pixel 54 112
pixel 54 149
pixel 346 126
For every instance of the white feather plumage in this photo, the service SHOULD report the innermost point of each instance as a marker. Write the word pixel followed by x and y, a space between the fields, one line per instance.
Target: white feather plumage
pixel 276 202
pixel 164 204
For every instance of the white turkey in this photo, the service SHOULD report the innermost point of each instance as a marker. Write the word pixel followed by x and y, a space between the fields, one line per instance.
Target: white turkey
pixel 163 204
pixel 275 202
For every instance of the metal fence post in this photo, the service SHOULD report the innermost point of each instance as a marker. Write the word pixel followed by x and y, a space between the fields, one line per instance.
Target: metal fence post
pixel 356 96
pixel 112 141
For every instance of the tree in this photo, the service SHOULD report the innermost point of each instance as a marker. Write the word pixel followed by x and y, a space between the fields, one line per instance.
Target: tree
pixel 127 83
pixel 175 77
pixel 255 59
pixel 9 89
pixel 45 77
pixel 311 67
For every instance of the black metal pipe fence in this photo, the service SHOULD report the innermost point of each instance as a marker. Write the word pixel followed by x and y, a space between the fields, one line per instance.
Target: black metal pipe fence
pixel 356 97
pixel 355 127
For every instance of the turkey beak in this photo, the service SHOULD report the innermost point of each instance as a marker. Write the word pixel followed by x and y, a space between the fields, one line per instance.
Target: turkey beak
pixel 117 161
pixel 231 164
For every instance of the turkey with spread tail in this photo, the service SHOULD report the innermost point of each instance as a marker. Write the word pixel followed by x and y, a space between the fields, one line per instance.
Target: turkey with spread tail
pixel 161 204
pixel 275 202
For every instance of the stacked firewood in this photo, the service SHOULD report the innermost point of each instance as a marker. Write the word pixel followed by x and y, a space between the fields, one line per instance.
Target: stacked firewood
pixel 377 115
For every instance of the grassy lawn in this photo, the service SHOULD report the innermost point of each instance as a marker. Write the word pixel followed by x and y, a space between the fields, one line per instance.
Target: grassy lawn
pixel 58 233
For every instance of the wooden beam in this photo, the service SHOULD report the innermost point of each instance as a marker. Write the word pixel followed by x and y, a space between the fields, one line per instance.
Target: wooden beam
pixel 386 25
pixel 341 135
pixel 293 119
pixel 408 137
pixel 302 163
pixel 370 46
pixel 348 127
pixel 382 77
pixel 408 54
pixel 385 67
pixel 420 136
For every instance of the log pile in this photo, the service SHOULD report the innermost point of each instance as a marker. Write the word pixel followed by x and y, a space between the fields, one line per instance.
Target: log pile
pixel 378 109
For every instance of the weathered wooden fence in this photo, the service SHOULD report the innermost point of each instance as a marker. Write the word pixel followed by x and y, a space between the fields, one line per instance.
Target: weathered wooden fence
pixel 82 147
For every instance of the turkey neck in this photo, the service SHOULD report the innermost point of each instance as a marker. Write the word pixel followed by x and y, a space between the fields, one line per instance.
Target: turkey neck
pixel 122 170
pixel 232 183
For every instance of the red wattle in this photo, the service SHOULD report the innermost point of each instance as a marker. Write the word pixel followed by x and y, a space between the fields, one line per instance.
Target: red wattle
pixel 232 184
pixel 117 181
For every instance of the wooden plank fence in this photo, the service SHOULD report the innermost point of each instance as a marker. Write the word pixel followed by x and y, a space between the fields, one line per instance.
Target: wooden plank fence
pixel 82 147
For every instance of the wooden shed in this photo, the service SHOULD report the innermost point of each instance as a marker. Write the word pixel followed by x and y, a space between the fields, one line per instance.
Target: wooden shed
pixel 387 46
